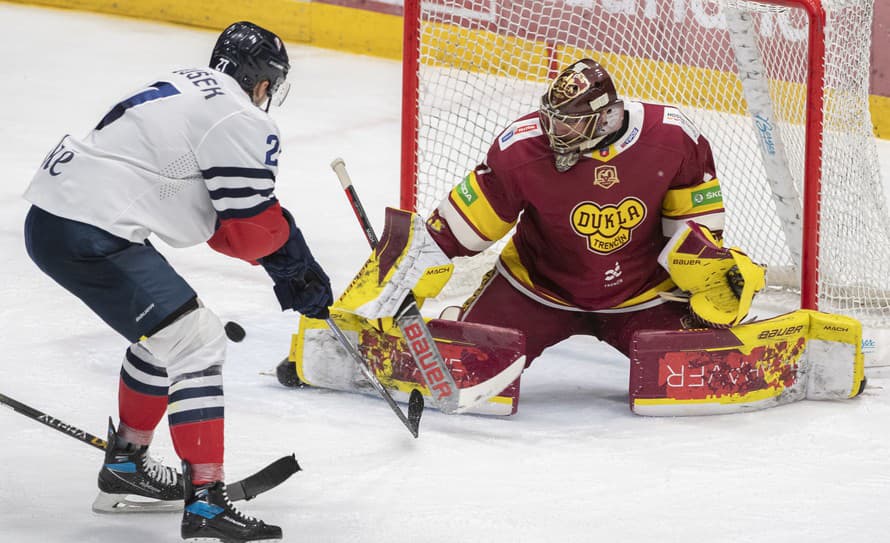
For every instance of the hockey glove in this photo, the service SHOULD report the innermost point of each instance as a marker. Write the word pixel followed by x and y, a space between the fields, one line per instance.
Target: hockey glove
pixel 721 282
pixel 300 282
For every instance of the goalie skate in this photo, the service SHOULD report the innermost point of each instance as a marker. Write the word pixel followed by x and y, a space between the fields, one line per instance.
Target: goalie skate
pixel 131 481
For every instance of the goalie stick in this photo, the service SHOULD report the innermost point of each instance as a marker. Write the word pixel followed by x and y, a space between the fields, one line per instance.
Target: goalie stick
pixel 421 344
pixel 415 401
pixel 248 488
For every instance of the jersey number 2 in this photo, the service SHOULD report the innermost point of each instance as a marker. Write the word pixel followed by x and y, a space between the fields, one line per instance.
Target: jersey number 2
pixel 272 153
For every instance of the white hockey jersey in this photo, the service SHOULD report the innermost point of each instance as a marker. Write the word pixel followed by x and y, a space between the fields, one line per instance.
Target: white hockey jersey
pixel 170 159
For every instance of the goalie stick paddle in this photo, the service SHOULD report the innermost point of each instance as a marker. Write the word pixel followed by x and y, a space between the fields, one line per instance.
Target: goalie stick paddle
pixel 417 335
pixel 265 479
pixel 415 401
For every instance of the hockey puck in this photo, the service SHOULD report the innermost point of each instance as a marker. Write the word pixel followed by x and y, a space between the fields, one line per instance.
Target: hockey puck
pixel 287 374
pixel 234 331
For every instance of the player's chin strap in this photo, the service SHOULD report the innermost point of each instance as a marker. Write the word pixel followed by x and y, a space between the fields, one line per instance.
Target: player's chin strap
pixel 721 282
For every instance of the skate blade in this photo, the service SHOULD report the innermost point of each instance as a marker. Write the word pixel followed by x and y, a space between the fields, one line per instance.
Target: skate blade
pixel 222 540
pixel 114 504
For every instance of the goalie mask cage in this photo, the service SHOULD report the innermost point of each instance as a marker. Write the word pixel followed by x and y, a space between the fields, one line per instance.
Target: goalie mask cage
pixel 779 88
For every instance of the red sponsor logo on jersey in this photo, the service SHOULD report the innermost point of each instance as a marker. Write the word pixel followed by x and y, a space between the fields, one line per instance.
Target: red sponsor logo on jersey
pixel 524 128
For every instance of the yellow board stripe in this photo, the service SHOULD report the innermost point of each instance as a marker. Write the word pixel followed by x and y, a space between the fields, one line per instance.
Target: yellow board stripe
pixel 367 32
pixel 880 115
pixel 323 25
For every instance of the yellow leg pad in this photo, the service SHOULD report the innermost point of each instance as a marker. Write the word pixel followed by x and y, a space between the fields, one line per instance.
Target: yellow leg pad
pixel 801 355
pixel 322 362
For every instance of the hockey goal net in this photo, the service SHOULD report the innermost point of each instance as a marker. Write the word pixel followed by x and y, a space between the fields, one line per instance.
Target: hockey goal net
pixel 779 87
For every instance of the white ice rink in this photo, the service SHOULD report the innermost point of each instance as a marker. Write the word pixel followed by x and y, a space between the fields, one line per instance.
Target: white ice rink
pixel 574 465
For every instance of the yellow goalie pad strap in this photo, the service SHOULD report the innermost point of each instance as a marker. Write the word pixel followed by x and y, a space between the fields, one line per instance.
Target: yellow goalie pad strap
pixel 833 348
pixel 830 329
pixel 699 265
pixel 406 259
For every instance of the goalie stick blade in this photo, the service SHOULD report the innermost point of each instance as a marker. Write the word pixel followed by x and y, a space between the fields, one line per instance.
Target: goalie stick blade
pixel 266 479
pixel 415 411
pixel 369 375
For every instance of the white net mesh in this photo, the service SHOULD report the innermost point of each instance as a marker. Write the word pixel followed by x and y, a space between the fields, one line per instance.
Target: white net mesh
pixel 483 63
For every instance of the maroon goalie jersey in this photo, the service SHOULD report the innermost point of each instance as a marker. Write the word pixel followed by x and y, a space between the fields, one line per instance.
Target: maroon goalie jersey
pixel 586 239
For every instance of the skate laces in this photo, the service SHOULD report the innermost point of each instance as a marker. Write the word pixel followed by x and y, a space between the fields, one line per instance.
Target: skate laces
pixel 231 507
pixel 158 471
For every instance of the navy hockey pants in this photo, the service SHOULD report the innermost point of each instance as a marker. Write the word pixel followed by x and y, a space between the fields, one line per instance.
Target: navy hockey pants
pixel 129 285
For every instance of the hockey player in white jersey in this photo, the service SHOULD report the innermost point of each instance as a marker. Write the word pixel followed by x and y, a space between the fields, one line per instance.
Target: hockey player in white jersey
pixel 191 157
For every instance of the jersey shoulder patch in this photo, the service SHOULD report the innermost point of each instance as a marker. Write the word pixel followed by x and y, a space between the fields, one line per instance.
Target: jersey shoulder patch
pixel 675 117
pixel 518 131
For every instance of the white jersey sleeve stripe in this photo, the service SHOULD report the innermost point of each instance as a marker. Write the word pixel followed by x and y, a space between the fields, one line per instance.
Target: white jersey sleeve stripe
pixel 234 212
pixel 237 182
pixel 241 197
pixel 226 204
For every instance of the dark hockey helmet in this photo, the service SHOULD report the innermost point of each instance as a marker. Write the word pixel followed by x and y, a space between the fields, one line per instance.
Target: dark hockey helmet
pixel 252 54
pixel 580 107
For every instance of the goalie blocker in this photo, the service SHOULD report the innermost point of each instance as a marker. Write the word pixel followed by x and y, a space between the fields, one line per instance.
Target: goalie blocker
pixel 801 355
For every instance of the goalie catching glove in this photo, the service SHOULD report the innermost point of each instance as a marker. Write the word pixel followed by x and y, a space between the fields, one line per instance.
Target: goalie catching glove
pixel 406 259
pixel 721 282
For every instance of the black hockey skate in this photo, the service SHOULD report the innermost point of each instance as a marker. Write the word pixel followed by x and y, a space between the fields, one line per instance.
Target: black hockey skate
pixel 132 481
pixel 210 516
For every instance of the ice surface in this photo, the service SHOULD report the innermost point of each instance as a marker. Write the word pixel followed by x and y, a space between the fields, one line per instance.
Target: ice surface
pixel 574 465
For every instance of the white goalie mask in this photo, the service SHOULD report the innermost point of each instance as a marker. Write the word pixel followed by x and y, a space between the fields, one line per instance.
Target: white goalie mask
pixel 580 108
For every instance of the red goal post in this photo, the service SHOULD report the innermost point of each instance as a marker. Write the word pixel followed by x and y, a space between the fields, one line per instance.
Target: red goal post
pixel 779 87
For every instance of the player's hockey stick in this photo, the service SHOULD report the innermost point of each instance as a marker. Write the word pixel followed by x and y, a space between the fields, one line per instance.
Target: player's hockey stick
pixel 266 479
pixel 421 344
pixel 415 400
